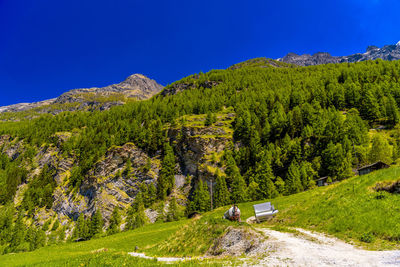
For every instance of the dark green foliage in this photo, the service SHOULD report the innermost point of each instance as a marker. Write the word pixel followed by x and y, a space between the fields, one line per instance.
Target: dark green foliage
pixel 97 223
pixel 128 168
pixel 115 222
pixel 11 176
pixel 136 216
pixel 210 119
pixel 55 226
pixel 201 198
pixel 40 191
pixel 166 178
pixel 151 194
pixel 264 178
pixel 173 212
pixel 221 194
pixel 82 229
pixel 293 183
pixel 238 185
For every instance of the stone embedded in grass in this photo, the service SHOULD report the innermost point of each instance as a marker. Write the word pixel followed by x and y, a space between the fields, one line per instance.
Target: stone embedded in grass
pixel 392 187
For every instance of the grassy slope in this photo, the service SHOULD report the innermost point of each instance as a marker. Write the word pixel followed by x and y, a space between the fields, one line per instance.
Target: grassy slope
pixel 349 210
pixel 123 242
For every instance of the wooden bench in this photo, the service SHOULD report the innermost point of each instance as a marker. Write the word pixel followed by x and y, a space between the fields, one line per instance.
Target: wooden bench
pixel 264 211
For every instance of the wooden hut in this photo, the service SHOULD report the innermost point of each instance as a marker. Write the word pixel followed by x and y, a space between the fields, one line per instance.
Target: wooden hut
pixel 322 181
pixel 372 167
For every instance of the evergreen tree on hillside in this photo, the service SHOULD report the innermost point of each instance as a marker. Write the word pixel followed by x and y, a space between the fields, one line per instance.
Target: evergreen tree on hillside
pixel 173 213
pixel 211 118
pixel 370 106
pixel 152 194
pixel 307 175
pixel 238 187
pixel 136 216
pixel 166 178
pixel 264 178
pixel 97 223
pixel 392 111
pixel 115 222
pixel 18 232
pixel 336 161
pixel 221 194
pixel 81 229
pixel 140 218
pixel 253 191
pixel 293 183
pixel 128 168
pixel 201 198
pixel 380 150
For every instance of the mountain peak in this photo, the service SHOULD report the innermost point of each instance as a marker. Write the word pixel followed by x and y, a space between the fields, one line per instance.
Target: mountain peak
pixel 388 52
pixel 136 86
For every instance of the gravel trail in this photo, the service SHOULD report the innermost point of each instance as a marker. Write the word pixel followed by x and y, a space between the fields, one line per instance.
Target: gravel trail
pixel 314 249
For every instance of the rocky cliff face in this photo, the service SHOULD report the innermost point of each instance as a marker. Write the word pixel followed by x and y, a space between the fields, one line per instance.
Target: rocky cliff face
pixel 388 52
pixel 110 183
pixel 136 86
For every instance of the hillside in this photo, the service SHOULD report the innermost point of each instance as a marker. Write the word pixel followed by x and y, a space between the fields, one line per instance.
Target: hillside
pixel 352 210
pixel 259 130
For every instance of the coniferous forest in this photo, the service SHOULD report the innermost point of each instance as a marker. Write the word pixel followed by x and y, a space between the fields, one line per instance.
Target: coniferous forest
pixel 290 125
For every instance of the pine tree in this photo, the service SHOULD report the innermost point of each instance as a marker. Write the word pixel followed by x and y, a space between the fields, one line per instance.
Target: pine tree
pixel 238 185
pixel 172 214
pixel 115 222
pixel 61 234
pixel 140 216
pixel 55 226
pixel 253 191
pixel 380 150
pixel 128 168
pixel 231 168
pixel 160 211
pixel 209 119
pixel 264 178
pixel 39 239
pixel 280 185
pixel 201 198
pixel 97 223
pixel 221 194
pixel 152 193
pixel 166 179
pixel 130 218
pixel 307 175
pixel 18 232
pixel 293 183
pixel 81 228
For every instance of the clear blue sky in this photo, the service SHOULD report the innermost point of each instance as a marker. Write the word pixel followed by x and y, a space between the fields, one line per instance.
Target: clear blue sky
pixel 50 46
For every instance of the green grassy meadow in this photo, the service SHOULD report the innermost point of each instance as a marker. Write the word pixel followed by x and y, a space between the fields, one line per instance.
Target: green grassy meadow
pixel 350 210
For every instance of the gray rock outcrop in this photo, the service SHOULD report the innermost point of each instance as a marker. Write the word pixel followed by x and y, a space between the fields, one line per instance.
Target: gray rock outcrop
pixel 136 86
pixel 388 52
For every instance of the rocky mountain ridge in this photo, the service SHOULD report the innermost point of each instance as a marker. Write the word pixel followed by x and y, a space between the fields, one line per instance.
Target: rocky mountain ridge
pixel 388 52
pixel 136 86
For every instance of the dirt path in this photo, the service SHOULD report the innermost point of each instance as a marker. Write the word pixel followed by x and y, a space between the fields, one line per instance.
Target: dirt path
pixel 313 249
pixel 161 259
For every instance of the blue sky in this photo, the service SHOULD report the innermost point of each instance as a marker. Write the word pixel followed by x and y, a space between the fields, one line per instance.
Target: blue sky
pixel 48 47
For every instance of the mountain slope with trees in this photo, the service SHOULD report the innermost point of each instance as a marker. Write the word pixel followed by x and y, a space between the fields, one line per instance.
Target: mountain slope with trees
pixel 250 132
